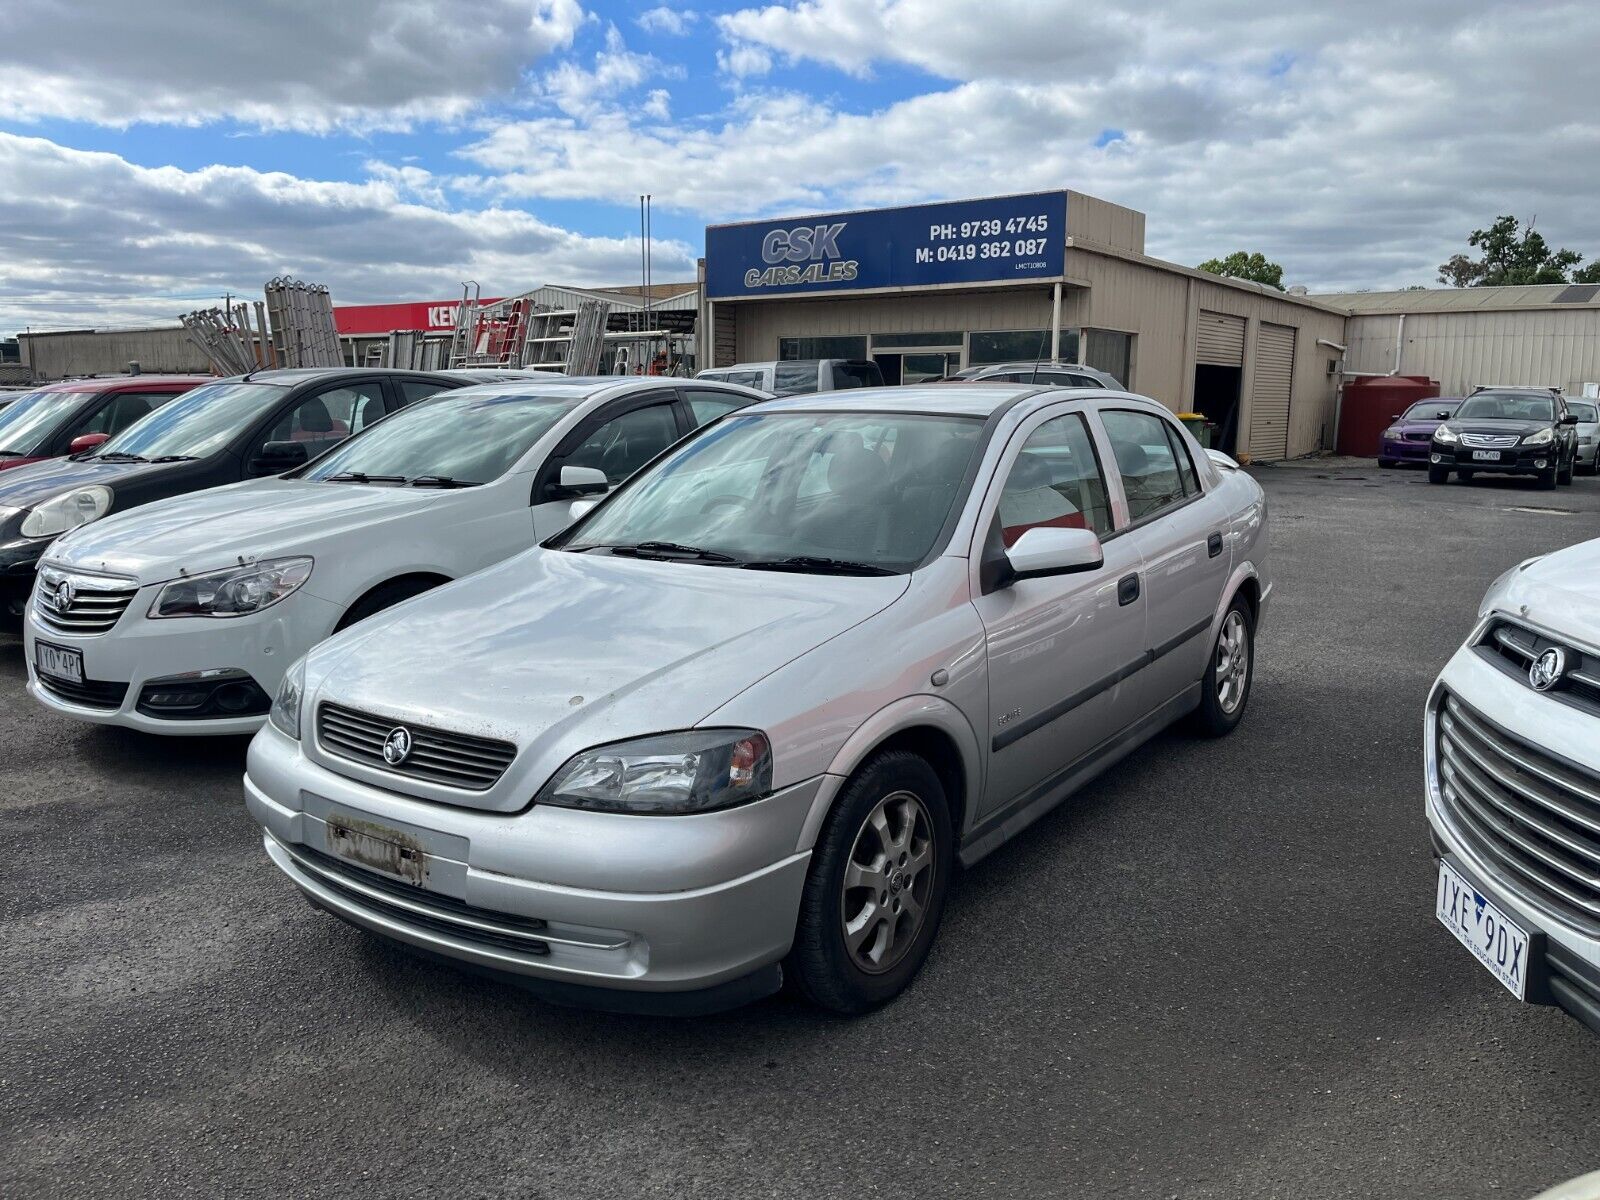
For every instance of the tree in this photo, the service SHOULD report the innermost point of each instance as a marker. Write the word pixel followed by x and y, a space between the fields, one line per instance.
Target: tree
pixel 1511 255
pixel 1589 274
pixel 1241 265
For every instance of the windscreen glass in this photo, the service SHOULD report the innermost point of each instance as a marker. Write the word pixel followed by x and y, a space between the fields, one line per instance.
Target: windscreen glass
pixel 1584 412
pixel 196 424
pixel 28 424
pixel 1429 410
pixel 869 489
pixel 1507 406
pixel 471 436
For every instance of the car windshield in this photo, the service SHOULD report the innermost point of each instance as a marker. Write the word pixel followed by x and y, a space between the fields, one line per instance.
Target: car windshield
pixel 856 493
pixel 197 423
pixel 470 436
pixel 1429 410
pixel 1586 413
pixel 28 424
pixel 1508 406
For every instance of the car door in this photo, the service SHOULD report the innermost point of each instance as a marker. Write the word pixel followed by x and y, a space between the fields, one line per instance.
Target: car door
pixel 1182 538
pixel 617 438
pixel 320 419
pixel 1060 649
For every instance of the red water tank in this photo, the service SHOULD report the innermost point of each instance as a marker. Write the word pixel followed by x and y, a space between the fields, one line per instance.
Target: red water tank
pixel 1370 404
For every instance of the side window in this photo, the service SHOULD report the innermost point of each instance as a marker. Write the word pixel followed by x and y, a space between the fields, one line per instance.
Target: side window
pixel 1180 452
pixel 124 410
pixel 327 418
pixel 793 378
pixel 1146 461
pixel 708 406
pixel 624 444
pixel 412 390
pixel 1084 381
pixel 1055 482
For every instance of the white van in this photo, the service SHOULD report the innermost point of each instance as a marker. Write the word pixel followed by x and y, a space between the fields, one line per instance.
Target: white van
pixel 799 376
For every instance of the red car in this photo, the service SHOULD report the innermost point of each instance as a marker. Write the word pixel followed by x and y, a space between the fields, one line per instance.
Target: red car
pixel 78 414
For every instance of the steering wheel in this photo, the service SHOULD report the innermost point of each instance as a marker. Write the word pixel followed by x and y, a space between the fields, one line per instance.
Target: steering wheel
pixel 726 499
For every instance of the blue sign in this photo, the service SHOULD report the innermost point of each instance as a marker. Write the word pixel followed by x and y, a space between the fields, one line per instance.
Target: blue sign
pixel 998 240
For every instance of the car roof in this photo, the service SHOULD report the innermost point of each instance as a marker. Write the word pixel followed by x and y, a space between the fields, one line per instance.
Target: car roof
pixel 582 386
pixel 960 399
pixel 113 383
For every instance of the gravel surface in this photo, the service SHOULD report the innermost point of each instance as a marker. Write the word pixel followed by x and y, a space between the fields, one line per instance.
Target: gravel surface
pixel 1215 973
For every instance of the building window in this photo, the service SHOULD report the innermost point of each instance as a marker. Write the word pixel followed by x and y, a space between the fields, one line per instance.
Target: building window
pixel 895 341
pixel 1019 345
pixel 792 348
pixel 1109 352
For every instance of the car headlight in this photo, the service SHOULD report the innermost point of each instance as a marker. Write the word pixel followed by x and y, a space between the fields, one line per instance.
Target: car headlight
pixel 67 511
pixel 1445 434
pixel 1541 437
pixel 1391 435
pixel 697 771
pixel 234 591
pixel 285 711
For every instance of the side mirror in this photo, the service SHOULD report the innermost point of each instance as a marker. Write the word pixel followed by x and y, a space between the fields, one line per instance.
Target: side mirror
pixel 1569 419
pixel 580 508
pixel 1442 415
pixel 87 441
pixel 277 457
pixel 578 481
pixel 1219 459
pixel 1394 416
pixel 1045 550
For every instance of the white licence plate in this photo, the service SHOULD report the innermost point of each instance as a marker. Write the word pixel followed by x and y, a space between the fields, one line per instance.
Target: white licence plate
pixel 58 662
pixel 1495 940
pixel 1486 456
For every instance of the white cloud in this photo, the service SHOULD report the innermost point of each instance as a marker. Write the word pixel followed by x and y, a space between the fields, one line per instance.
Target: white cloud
pixel 659 104
pixel 88 238
pixel 673 21
pixel 616 70
pixel 287 64
pixel 744 61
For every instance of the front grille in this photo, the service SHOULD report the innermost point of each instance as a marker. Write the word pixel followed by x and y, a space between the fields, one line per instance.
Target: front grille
pixel 1490 441
pixel 83 604
pixel 1515 648
pixel 437 756
pixel 90 693
pixel 430 910
pixel 1532 816
pixel 1419 437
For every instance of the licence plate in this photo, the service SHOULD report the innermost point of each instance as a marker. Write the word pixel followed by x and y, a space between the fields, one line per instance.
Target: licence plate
pixel 377 847
pixel 58 662
pixel 1495 940
pixel 1486 456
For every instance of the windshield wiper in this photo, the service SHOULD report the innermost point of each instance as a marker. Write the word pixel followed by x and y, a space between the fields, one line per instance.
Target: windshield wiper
pixel 817 566
pixel 363 477
pixel 174 458
pixel 440 481
pixel 120 456
pixel 671 550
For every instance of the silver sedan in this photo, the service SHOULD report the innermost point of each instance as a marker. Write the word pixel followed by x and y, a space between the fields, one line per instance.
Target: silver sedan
pixel 746 716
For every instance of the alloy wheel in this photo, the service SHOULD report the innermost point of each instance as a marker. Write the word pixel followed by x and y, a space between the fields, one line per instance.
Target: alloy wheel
pixel 1233 662
pixel 888 882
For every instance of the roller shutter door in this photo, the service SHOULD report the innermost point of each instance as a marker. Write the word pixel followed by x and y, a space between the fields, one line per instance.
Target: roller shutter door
pixel 1269 396
pixel 1219 340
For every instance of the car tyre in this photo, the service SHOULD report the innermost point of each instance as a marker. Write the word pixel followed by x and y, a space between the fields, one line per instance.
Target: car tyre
pixel 1386 464
pixel 879 875
pixel 1546 479
pixel 380 598
pixel 1438 474
pixel 1225 691
pixel 1464 476
pixel 1564 477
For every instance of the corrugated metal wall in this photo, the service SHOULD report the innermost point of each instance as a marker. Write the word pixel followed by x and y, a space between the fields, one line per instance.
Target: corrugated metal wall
pixel 1464 350
pixel 1219 340
pixel 108 352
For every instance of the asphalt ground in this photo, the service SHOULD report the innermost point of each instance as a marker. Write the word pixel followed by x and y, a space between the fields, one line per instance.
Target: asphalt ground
pixel 1215 973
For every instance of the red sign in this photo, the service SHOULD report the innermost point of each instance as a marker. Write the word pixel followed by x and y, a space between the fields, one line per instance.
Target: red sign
pixel 367 320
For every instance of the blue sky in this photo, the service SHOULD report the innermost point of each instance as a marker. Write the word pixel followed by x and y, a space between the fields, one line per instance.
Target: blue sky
pixel 154 153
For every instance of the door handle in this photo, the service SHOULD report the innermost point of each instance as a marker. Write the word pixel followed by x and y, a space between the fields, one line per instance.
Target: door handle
pixel 1127 590
pixel 1214 545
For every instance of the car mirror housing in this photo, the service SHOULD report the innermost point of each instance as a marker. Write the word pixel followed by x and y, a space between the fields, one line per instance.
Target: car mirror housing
pixel 87 441
pixel 277 457
pixel 1046 550
pixel 573 482
pixel 1569 419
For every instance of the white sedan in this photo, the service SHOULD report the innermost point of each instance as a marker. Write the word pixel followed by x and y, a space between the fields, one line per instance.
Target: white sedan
pixel 182 616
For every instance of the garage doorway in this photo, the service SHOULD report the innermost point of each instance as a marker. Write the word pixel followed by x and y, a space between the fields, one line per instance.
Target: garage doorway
pixel 1216 397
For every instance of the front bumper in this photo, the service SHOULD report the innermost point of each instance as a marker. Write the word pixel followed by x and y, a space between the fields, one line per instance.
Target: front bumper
pixel 137 653
pixel 1516 460
pixel 19 562
pixel 632 913
pixel 1567 972
pixel 1403 452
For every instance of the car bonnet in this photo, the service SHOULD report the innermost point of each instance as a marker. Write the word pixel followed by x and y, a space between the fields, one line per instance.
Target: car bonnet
pixel 557 652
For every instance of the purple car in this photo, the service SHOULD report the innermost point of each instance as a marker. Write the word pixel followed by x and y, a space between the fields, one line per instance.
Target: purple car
pixel 1408 439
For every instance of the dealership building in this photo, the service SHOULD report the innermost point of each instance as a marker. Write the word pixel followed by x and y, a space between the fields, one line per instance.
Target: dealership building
pixel 934 288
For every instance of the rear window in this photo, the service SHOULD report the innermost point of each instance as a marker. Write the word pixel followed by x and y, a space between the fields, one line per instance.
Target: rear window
pixel 794 378
pixel 848 374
